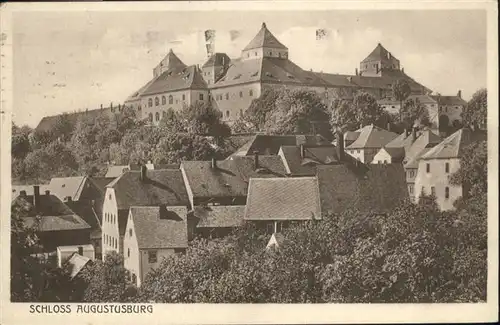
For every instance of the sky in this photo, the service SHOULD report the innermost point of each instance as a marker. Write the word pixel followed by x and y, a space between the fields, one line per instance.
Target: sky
pixel 64 62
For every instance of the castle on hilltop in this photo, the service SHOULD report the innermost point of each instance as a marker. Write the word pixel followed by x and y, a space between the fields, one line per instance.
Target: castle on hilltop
pixel 231 84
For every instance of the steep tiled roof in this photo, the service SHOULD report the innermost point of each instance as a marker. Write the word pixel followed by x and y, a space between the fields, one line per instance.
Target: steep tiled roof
pixel 449 100
pixel 48 122
pixel 156 227
pixel 297 165
pixel 291 198
pixel 16 189
pixel 453 146
pixel 63 187
pixel 395 152
pixel 379 53
pixel 271 144
pixel 171 61
pixel 373 189
pixel 218 59
pixel 160 187
pixel 351 135
pixel 372 136
pixel 75 264
pixel 264 38
pixel 219 216
pixel 116 170
pixel 176 79
pixel 54 214
pixel 101 182
pixel 425 140
pixel 230 178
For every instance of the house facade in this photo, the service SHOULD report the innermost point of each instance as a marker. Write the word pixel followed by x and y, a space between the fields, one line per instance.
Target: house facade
pixel 370 139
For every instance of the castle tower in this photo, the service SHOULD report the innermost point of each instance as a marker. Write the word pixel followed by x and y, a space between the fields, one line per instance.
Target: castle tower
pixel 378 61
pixel 215 67
pixel 171 61
pixel 264 44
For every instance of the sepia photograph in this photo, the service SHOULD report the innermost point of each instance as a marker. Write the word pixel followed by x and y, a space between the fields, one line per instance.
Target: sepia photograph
pixel 224 153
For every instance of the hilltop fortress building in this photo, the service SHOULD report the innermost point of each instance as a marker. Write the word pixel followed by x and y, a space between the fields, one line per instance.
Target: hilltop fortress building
pixel 231 84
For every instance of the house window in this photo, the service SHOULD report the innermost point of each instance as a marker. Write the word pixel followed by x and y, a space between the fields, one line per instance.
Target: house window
pixel 446 192
pixel 357 151
pixel 163 100
pixel 130 232
pixel 250 92
pixel 270 228
pixel 152 256
pixel 410 188
pixel 423 190
pixel 150 102
pixel 109 196
pixel 446 167
pixel 270 53
pixel 183 97
pixel 201 96
pixel 227 113
pixel 241 94
pixel 433 190
pixel 428 168
pixel 227 96
pixel 170 99
pixel 157 116
pixel 128 252
pixel 157 101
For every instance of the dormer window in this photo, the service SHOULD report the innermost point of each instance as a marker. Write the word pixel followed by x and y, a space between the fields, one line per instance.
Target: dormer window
pixel 255 74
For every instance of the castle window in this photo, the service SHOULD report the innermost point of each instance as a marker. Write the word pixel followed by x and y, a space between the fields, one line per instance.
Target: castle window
pixel 150 102
pixel 130 232
pixel 250 92
pixel 241 94
pixel 428 168
pixel 270 53
pixel 157 116
pixel 248 55
pixel 150 117
pixel 446 167
pixel 164 114
pixel 170 99
pixel 183 97
pixel 227 96
pixel 255 53
pixel 128 252
pixel 410 188
pixel 163 100
pixel 227 113
pixel 433 191
pixel 201 96
pixel 139 108
pixel 446 192
pixel 157 101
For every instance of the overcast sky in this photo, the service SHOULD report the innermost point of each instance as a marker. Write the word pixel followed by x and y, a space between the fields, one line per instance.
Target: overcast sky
pixel 75 60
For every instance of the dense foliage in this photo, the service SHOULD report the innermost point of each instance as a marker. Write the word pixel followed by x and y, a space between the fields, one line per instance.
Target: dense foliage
pixel 475 114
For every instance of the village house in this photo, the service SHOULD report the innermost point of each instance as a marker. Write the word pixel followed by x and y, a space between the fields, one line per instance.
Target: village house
pixel 438 163
pixel 273 203
pixel 225 182
pixel 153 233
pixel 395 151
pixel 214 221
pixel 369 141
pixel 425 141
pixel 56 224
pixel 138 188
pixel 365 188
pixel 116 170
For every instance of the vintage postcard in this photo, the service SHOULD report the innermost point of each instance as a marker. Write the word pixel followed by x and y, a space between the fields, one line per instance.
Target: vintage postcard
pixel 244 162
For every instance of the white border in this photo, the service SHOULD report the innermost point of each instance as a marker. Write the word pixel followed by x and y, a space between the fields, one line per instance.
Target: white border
pixel 262 313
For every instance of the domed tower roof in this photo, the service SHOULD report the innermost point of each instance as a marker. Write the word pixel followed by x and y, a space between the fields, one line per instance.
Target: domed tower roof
pixel 264 38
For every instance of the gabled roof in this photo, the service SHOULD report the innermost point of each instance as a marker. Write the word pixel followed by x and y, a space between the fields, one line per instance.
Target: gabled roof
pixel 64 187
pixel 372 136
pixel 449 100
pixel 75 264
pixel 453 146
pixel 230 177
pixel 395 152
pixel 219 216
pixel 218 59
pixel 372 189
pixel 116 170
pixel 175 79
pixel 101 182
pixel 171 61
pixel 54 214
pixel 161 187
pixel 291 198
pixel 425 140
pixel 379 53
pixel 271 144
pixel 317 155
pixel 157 227
pixel 351 135
pixel 264 38
pixel 277 240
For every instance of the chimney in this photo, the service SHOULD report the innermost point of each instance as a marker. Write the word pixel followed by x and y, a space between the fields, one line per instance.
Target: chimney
pixel 214 163
pixel 413 134
pixel 302 151
pixel 36 196
pixel 256 159
pixel 388 126
pixel 340 145
pixel 111 104
pixel 47 192
pixel 356 71
pixel 22 193
pixel 144 173
pixel 69 199
pixel 459 94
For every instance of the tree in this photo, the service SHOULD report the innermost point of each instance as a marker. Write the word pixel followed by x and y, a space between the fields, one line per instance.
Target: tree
pixel 257 114
pixel 414 113
pixel 348 115
pixel 20 141
pixel 473 172
pixel 401 90
pixel 476 111
pixel 173 148
pixel 173 121
pixel 63 128
pixel 204 119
